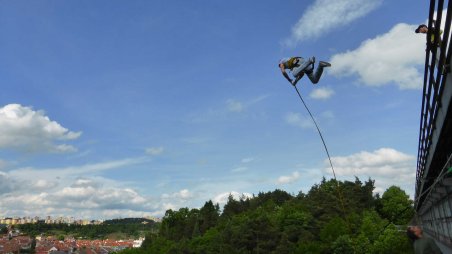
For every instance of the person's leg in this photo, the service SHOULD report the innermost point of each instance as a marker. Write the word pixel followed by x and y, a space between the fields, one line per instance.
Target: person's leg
pixel 303 65
pixel 315 76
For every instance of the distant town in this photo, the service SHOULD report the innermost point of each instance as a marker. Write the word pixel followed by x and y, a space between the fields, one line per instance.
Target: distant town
pixel 13 241
pixel 46 245
pixel 58 220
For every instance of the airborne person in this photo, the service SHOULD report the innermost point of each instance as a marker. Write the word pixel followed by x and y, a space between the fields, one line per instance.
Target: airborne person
pixel 298 66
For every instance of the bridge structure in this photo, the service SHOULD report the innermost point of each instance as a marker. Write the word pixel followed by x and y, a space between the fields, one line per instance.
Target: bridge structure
pixel 433 193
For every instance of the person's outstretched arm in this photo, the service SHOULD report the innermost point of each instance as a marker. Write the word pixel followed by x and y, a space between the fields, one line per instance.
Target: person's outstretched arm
pixel 284 73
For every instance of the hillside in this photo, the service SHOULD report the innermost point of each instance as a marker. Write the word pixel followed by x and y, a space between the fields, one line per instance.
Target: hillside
pixel 333 217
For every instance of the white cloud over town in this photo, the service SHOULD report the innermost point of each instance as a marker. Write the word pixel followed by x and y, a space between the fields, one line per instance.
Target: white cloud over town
pixel 88 196
pixel 324 15
pixel 27 130
pixel 391 58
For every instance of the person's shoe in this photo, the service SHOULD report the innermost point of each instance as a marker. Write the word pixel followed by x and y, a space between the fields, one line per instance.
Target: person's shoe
pixel 312 59
pixel 324 64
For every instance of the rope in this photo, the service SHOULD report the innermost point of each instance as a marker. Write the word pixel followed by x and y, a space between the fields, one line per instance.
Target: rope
pixel 341 198
pixel 320 133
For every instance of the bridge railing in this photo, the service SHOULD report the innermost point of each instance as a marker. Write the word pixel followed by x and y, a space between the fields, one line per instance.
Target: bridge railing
pixel 437 67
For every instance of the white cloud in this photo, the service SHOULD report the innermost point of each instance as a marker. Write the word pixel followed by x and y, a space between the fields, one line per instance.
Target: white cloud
pixel 325 15
pixel 234 106
pixel 289 179
pixel 394 57
pixel 23 129
pixel 327 114
pixel 239 169
pixel 154 151
pixel 72 171
pixel 386 166
pixel 247 160
pixel 6 183
pixel 222 198
pixel 85 197
pixel 322 93
pixel 297 120
pixel 238 106
pixel 182 194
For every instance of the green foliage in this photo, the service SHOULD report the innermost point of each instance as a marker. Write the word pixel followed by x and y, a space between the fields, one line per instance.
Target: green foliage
pixel 87 231
pixel 335 228
pixel 3 230
pixel 396 206
pixel 343 245
pixel 333 217
pixel 392 241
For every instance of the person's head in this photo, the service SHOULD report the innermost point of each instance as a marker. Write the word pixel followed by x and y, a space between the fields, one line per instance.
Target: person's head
pixel 414 232
pixel 422 28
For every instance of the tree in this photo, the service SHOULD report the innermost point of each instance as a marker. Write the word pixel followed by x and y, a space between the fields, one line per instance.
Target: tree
pixel 343 245
pixel 396 206
pixel 209 215
pixel 333 229
pixel 233 207
pixel 392 241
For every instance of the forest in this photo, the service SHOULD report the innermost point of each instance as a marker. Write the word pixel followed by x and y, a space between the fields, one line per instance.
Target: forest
pixel 332 217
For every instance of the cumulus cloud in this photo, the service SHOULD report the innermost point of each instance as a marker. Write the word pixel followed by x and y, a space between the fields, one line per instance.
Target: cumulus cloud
pixel 6 183
pixel 386 166
pixel 61 191
pixel 222 198
pixel 289 179
pixel 391 58
pixel 85 197
pixel 324 16
pixel 154 151
pixel 322 93
pixel 23 129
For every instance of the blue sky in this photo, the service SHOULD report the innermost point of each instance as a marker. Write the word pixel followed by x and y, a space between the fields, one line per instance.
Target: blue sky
pixel 128 108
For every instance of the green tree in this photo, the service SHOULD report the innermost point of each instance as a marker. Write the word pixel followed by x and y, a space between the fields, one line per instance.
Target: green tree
pixel 396 206
pixel 343 245
pixel 392 241
pixel 209 215
pixel 333 229
pixel 234 207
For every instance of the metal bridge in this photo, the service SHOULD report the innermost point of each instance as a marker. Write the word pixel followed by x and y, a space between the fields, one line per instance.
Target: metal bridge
pixel 433 196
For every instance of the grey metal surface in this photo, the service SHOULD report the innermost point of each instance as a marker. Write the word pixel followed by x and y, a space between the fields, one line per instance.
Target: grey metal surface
pixel 433 200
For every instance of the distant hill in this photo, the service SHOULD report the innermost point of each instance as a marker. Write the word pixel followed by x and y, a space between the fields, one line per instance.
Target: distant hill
pixel 129 221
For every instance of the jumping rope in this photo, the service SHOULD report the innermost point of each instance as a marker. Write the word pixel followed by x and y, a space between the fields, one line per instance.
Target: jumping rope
pixel 341 198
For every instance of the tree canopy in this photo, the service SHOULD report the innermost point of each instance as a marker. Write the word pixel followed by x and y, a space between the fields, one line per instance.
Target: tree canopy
pixel 333 217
